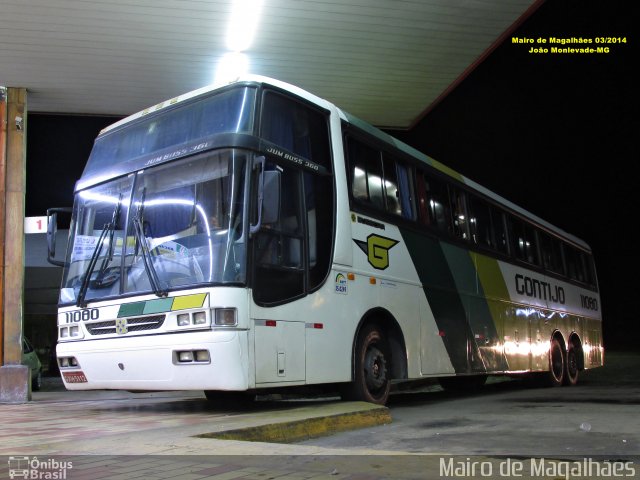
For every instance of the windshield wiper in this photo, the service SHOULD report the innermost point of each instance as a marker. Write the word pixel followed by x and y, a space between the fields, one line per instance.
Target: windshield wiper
pixel 108 229
pixel 141 240
pixel 100 280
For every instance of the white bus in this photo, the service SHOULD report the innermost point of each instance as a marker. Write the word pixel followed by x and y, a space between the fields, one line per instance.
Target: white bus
pixel 254 237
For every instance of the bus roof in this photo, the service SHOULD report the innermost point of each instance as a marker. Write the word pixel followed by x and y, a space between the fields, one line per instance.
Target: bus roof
pixel 364 126
pixel 256 79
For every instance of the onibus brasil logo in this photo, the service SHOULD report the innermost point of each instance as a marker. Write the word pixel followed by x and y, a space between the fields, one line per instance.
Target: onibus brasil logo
pixel 49 469
pixel 377 250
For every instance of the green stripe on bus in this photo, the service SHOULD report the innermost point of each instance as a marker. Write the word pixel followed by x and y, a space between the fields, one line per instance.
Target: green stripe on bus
pixel 477 319
pixel 131 309
pixel 444 299
pixel 158 306
pixel 162 305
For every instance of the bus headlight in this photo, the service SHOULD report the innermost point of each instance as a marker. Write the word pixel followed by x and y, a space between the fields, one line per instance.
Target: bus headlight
pixel 70 332
pixel 226 317
pixel 68 362
pixel 185 356
pixel 183 319
pixel 199 318
pixel 191 357
pixel 195 318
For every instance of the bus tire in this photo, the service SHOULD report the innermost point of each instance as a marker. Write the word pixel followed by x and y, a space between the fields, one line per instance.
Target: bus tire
pixel 571 367
pixel 372 367
pixel 556 364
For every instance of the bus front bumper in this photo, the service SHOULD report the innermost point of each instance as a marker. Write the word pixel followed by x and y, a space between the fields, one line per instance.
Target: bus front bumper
pixel 158 362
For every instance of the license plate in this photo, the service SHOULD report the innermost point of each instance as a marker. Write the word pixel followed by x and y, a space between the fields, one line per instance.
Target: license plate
pixel 74 377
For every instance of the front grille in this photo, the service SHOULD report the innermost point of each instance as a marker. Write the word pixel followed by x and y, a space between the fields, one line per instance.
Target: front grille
pixel 102 328
pixel 136 324
pixel 145 323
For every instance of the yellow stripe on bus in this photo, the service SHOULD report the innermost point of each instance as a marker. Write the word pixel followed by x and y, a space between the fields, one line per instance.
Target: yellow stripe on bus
pixel 188 301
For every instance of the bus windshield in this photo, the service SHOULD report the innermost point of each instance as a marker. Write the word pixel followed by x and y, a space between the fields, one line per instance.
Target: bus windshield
pixel 176 225
pixel 168 134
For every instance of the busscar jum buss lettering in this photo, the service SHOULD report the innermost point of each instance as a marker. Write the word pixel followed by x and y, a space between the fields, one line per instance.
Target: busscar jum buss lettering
pixel 254 237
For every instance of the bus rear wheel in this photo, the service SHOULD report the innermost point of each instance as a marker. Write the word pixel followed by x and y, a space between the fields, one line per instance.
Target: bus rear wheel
pixel 556 364
pixel 372 366
pixel 571 365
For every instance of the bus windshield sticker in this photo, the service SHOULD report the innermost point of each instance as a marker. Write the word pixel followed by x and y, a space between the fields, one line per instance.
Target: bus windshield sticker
pixel 295 159
pixel 377 250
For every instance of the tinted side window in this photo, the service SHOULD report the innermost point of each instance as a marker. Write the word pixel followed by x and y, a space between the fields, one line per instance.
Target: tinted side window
pixel 580 265
pixel 407 191
pixel 398 183
pixel 524 241
pixel 500 230
pixel 480 220
pixel 391 189
pixel 434 203
pixel 550 248
pixel 591 270
pixel 365 166
pixel 296 127
pixel 575 267
pixel 459 213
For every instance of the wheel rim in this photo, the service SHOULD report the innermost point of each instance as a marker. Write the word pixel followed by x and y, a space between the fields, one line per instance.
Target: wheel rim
pixel 375 369
pixel 557 365
pixel 572 364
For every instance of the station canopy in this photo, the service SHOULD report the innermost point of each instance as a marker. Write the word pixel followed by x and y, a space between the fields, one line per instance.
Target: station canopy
pixel 386 61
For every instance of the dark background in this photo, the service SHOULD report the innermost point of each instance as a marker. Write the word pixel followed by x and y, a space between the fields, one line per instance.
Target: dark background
pixel 555 134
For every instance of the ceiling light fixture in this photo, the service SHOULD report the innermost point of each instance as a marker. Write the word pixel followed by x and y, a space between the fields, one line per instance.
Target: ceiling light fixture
pixel 245 15
pixel 230 67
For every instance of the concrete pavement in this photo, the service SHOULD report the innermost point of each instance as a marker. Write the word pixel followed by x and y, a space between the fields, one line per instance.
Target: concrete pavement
pixel 123 435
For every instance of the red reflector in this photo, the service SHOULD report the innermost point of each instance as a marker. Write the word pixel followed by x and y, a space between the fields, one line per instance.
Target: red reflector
pixel 74 377
pixel 270 323
pixel 319 326
pixel 441 333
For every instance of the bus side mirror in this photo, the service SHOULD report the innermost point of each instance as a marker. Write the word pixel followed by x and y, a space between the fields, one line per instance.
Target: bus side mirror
pixel 52 229
pixel 268 196
pixel 271 199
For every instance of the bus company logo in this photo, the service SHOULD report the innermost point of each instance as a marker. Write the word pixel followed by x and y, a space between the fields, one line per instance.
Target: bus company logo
pixel 377 250
pixel 341 284
pixel 121 326
pixel 33 468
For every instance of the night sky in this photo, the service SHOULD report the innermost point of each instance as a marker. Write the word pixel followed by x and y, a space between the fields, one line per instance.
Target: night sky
pixel 550 132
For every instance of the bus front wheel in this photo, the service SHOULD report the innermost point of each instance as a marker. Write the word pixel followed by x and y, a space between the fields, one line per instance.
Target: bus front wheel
pixel 372 366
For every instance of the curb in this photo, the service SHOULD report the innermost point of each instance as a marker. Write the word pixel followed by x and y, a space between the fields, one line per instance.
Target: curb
pixel 299 430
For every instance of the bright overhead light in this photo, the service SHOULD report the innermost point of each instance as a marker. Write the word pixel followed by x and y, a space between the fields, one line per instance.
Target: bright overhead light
pixel 243 24
pixel 230 67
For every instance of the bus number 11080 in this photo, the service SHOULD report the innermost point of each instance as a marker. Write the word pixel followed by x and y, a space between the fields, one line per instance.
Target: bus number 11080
pixel 82 315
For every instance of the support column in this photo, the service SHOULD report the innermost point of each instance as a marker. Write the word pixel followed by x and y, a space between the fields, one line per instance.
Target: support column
pixel 15 378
